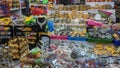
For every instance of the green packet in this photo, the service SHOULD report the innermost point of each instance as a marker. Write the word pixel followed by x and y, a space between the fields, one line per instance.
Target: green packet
pixel 35 50
pixel 37 61
pixel 45 2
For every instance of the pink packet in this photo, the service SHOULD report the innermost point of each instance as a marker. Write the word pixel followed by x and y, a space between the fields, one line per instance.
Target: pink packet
pixel 94 23
pixel 58 37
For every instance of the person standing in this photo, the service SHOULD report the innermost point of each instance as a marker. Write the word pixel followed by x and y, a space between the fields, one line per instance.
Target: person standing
pixel 27 10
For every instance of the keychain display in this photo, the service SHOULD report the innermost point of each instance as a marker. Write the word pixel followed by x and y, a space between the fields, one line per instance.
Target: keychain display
pixel 71 15
pixel 107 50
pixel 59 36
pixel 83 7
pixel 73 7
pixel 97 6
pixel 79 32
pixel 100 34
pixel 18 49
pixel 76 56
pixel 27 32
pixel 61 30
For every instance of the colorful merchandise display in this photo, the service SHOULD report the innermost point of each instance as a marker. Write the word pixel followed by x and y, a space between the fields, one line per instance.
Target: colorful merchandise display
pixel 59 34
pixel 98 34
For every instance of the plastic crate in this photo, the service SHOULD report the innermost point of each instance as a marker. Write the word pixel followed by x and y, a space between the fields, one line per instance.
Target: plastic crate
pixel 116 42
pixel 58 37
pixel 96 40
pixel 77 38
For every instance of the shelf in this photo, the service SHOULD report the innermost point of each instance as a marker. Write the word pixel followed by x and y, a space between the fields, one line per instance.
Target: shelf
pixel 71 11
pixel 38 4
pixel 89 10
pixel 70 24
pixel 49 12
pixel 93 3
pixel 96 10
pixel 13 9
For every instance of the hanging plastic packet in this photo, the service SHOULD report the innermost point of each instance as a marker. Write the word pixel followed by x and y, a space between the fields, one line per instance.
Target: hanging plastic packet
pixel 30 20
pixel 35 50
pixel 45 2
pixel 5 21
